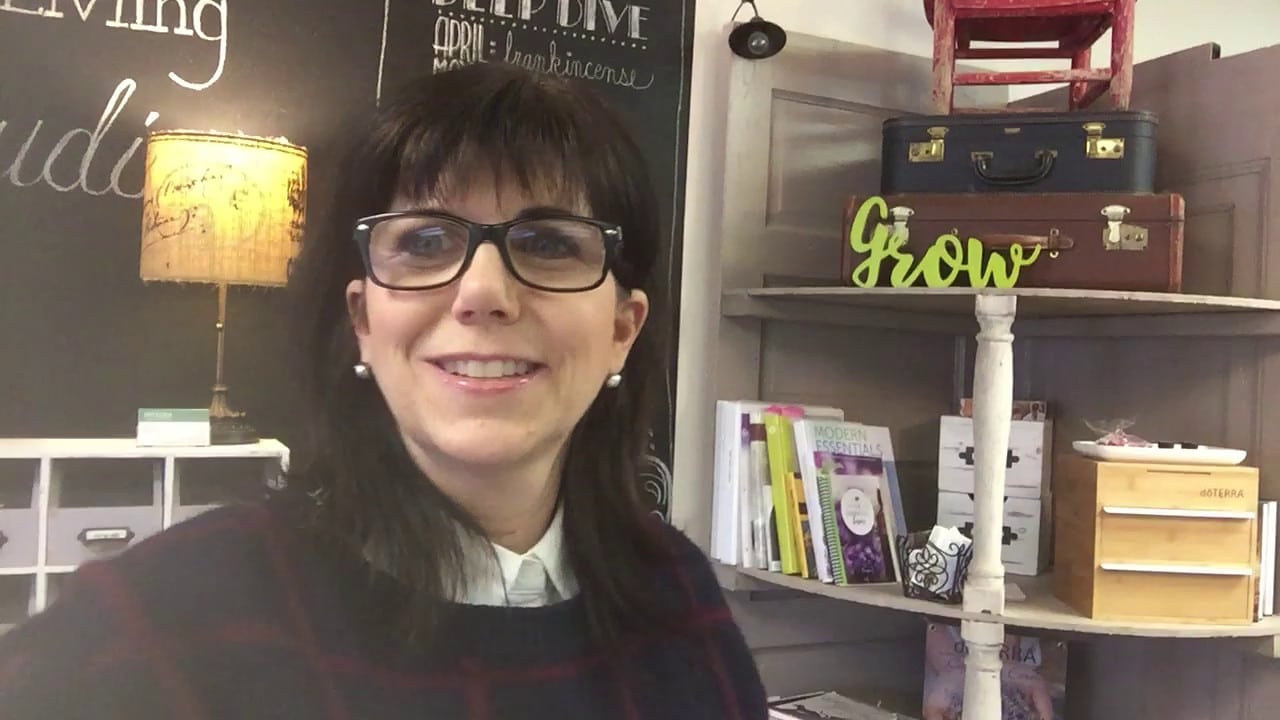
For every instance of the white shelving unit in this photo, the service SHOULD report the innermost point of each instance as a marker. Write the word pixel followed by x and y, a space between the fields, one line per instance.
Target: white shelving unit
pixel 766 314
pixel 1054 312
pixel 70 500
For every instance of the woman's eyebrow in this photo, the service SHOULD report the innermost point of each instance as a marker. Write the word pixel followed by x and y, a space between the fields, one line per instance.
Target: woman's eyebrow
pixel 531 212
pixel 423 206
pixel 543 211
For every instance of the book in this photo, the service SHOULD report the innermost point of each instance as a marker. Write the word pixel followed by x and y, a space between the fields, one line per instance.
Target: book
pixel 1032 676
pixel 800 518
pixel 760 529
pixel 1022 409
pixel 848 475
pixel 743 519
pixel 782 469
pixel 1264 591
pixel 826 706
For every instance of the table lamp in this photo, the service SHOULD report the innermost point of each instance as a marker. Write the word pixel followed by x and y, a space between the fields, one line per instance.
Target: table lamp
pixel 226 210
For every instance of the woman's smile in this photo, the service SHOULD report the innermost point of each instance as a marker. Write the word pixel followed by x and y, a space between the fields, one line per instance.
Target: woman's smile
pixel 486 374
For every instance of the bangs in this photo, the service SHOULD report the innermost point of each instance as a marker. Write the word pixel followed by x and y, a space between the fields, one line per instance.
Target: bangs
pixel 496 128
pixel 438 172
pixel 518 138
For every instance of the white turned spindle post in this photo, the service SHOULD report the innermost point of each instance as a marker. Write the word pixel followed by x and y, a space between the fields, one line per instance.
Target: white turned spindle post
pixel 984 585
pixel 982 669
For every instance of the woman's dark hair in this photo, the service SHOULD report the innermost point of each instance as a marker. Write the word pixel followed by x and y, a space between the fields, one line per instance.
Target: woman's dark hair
pixel 440 135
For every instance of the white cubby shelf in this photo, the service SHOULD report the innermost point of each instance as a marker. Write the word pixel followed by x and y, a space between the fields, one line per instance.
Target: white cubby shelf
pixel 65 501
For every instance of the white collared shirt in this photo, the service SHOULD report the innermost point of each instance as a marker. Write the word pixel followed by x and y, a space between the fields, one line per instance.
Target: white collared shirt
pixel 541 576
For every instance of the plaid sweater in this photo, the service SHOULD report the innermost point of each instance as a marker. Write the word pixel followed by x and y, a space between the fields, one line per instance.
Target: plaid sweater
pixel 232 615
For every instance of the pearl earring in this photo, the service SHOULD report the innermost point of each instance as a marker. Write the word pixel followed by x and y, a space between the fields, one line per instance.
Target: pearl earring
pixel 362 370
pixel 613 380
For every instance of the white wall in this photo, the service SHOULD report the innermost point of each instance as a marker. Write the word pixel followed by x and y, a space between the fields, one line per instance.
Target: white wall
pixel 1165 26
pixel 895 24
pixel 1162 27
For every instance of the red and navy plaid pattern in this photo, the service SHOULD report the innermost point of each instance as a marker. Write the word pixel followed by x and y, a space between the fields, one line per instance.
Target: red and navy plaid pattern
pixel 232 615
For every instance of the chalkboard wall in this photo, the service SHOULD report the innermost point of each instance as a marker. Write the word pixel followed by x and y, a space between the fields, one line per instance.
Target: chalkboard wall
pixel 83 342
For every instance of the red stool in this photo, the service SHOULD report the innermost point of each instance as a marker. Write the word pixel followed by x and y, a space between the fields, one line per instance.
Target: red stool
pixel 1074 24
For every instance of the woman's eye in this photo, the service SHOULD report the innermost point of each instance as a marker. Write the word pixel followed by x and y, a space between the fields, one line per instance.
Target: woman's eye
pixel 423 242
pixel 548 245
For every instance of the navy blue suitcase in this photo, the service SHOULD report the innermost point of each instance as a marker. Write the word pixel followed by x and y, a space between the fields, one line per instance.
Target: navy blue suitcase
pixel 1033 152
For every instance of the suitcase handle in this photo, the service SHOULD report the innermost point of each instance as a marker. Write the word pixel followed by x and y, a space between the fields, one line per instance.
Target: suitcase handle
pixel 1044 165
pixel 1054 241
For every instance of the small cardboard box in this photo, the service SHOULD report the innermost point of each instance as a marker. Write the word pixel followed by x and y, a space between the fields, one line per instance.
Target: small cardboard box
pixel 1028 460
pixel 1025 538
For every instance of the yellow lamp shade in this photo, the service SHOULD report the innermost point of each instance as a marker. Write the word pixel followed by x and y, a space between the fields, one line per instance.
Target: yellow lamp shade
pixel 221 208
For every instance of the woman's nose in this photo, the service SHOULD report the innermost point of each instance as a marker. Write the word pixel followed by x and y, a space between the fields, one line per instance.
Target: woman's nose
pixel 486 291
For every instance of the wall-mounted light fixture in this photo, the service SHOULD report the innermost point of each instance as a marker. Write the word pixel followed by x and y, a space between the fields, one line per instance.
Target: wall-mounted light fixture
pixel 757 38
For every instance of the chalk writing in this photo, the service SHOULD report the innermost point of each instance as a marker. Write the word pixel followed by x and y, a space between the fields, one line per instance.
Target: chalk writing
pixel 457 42
pixel 947 254
pixel 610 17
pixel 203 19
pixel 657 482
pixel 553 62
pixel 22 174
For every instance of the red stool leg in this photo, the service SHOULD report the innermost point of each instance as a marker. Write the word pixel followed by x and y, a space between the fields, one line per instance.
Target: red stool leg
pixel 1082 60
pixel 1122 54
pixel 944 56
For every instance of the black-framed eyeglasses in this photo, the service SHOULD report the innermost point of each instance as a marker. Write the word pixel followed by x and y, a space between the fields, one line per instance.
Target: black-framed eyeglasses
pixel 424 250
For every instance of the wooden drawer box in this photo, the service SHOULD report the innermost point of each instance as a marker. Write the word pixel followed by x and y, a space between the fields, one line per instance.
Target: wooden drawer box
pixel 19 513
pixel 1160 543
pixel 100 506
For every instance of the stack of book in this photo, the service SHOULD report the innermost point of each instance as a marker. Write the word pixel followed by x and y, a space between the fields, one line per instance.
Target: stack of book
pixel 802 491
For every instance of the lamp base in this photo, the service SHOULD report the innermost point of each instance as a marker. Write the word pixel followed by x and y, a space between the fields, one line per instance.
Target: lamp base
pixel 231 431
pixel 227 426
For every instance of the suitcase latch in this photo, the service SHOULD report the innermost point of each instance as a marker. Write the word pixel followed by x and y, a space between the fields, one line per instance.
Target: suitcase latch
pixel 1121 236
pixel 930 150
pixel 1097 147
pixel 900 215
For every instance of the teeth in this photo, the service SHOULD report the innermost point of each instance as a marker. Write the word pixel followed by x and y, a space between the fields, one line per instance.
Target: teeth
pixel 486 368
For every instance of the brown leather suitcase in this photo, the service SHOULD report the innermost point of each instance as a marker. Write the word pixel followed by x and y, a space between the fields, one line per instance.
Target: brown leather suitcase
pixel 1093 241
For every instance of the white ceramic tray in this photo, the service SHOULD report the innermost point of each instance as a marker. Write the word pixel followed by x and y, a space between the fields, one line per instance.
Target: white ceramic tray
pixel 1201 455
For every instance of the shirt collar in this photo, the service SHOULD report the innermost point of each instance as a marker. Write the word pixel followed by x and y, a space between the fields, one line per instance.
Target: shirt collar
pixel 490 581
pixel 550 551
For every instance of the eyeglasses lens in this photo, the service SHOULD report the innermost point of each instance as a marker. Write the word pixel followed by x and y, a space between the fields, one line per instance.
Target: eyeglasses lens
pixel 420 251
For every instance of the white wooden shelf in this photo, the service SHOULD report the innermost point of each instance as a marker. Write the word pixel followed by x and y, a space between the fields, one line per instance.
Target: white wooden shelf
pixel 994 317
pixel 1039 611
pixel 91 497
pixel 108 448
pixel 1042 312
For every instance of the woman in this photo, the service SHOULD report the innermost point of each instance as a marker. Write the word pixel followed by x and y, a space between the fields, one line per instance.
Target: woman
pixel 465 538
